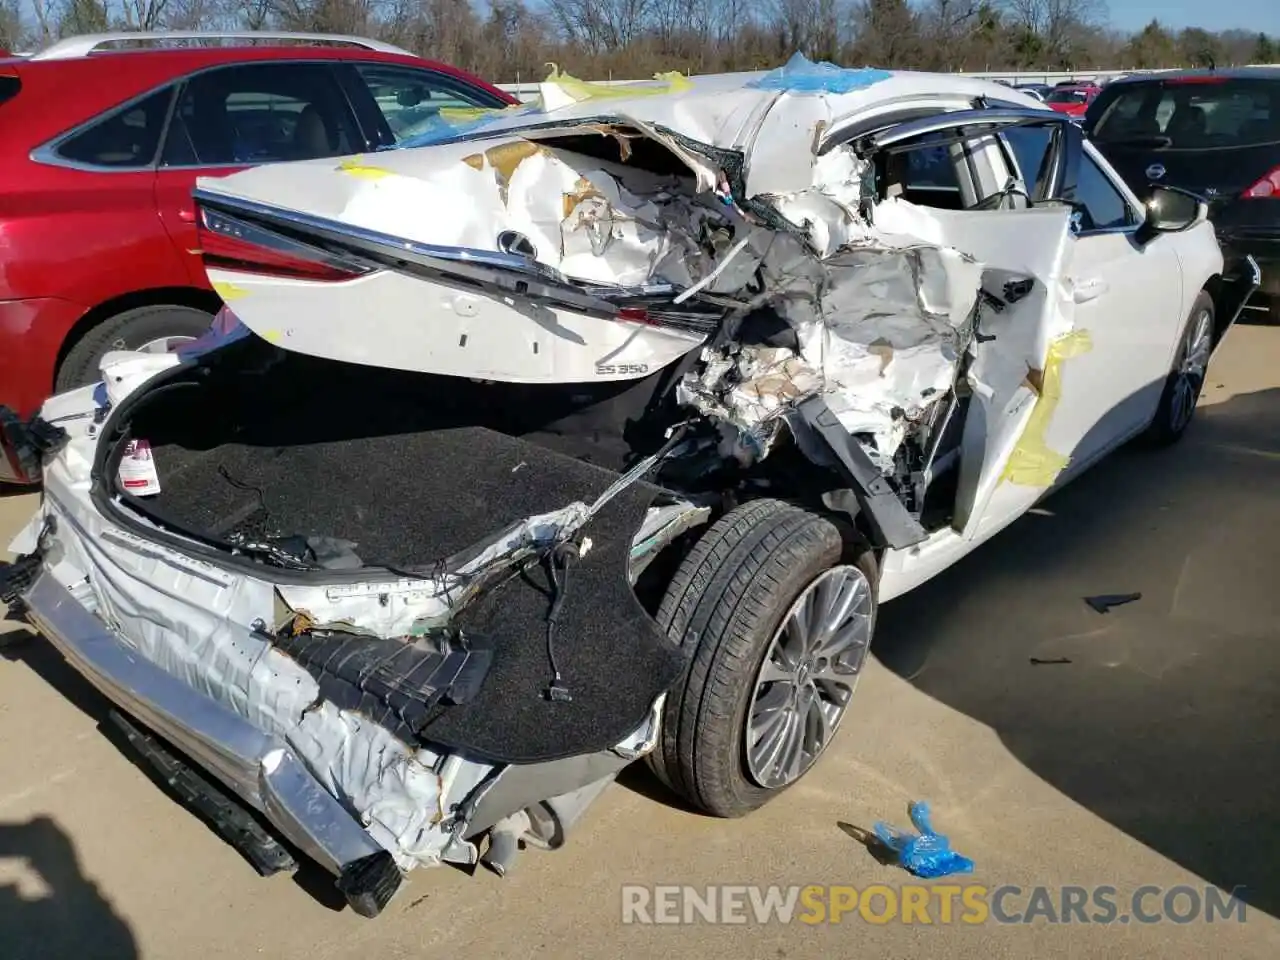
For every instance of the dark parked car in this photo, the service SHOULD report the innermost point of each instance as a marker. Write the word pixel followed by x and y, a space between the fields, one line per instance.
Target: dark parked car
pixel 1215 133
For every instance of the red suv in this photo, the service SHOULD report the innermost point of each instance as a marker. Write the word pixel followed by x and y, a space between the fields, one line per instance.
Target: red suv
pixel 102 147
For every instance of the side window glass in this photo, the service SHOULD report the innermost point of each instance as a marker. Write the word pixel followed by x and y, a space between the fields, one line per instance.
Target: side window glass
pixel 123 139
pixel 413 101
pixel 1100 205
pixel 263 113
pixel 1029 149
pixel 924 175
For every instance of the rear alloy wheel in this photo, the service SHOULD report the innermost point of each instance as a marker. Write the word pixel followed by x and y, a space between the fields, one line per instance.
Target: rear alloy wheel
pixel 778 625
pixel 157 329
pixel 1186 379
pixel 808 676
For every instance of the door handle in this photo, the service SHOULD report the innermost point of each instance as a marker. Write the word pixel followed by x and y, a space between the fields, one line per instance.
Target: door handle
pixel 1085 290
pixel 186 215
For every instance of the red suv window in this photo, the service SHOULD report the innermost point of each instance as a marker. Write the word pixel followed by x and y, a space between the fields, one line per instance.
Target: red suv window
pixel 261 113
pixel 9 87
pixel 125 138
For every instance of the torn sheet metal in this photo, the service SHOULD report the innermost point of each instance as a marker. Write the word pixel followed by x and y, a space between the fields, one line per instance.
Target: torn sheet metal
pixel 881 342
pixel 193 619
pixel 591 220
pixel 828 210
pixel 891 331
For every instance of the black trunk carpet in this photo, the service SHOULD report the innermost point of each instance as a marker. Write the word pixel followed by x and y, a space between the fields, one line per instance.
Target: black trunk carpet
pixel 404 500
pixel 613 658
pixel 411 499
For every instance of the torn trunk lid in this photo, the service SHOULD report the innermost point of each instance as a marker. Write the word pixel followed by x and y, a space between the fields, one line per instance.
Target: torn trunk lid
pixel 514 260
pixel 602 239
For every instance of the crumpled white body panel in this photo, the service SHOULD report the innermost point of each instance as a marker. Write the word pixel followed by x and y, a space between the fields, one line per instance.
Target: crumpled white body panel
pixel 191 619
pixel 880 338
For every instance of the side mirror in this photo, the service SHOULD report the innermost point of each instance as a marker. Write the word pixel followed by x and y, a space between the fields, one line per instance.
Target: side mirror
pixel 1171 210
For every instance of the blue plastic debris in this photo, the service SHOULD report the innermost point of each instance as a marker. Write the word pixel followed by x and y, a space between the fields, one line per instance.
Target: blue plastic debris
pixel 438 129
pixel 802 75
pixel 927 855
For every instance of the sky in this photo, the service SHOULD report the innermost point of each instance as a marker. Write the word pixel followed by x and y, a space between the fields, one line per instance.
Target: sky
pixel 1259 16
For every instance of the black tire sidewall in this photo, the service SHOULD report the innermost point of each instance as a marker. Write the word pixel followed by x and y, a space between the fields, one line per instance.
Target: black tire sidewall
pixel 1162 431
pixel 751 792
pixel 127 331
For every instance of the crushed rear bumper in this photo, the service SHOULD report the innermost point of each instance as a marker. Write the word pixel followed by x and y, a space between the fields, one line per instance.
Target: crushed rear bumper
pixel 259 769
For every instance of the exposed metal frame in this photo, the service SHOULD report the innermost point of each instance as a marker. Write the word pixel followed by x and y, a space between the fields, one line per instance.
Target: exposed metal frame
pixel 82 46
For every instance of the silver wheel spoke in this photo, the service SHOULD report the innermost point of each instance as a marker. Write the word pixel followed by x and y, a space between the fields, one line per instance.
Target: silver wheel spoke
pixel 853 634
pixel 820 729
pixel 773 673
pixel 771 749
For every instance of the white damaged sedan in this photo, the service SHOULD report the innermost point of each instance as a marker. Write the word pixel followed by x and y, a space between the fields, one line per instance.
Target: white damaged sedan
pixel 592 430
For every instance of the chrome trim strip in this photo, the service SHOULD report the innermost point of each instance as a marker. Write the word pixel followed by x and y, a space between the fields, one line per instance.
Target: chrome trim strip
pixel 258 768
pixel 1255 283
pixel 229 205
pixel 86 44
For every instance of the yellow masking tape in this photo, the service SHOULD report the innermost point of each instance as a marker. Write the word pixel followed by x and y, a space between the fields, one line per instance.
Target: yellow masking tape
pixel 228 291
pixel 464 114
pixel 1032 463
pixel 355 168
pixel 673 82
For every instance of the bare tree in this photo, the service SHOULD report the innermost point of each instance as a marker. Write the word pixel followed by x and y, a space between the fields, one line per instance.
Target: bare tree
pixel 601 24
pixel 11 25
pixel 83 16
pixel 1058 25
pixel 888 33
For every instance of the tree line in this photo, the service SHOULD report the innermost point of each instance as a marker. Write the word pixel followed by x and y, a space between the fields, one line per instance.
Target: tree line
pixel 515 40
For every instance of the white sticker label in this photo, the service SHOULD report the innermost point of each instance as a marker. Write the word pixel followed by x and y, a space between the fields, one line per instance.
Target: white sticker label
pixel 138 469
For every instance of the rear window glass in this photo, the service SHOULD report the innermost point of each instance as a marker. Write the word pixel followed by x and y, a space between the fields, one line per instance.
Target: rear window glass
pixel 129 137
pixel 9 87
pixel 1194 116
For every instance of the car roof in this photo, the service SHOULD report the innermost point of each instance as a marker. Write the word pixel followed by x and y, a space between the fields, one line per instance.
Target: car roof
pixel 1226 73
pixel 177 61
pixel 69 90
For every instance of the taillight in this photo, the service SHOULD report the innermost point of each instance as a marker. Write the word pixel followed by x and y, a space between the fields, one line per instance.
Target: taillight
pixel 1268 186
pixel 236 244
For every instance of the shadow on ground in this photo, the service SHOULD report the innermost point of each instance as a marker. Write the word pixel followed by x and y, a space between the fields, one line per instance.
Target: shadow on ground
pixel 48 908
pixel 1165 722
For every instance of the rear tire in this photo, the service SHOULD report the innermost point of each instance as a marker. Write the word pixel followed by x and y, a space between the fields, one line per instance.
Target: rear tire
pixel 136 329
pixel 1186 379
pixel 734 602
